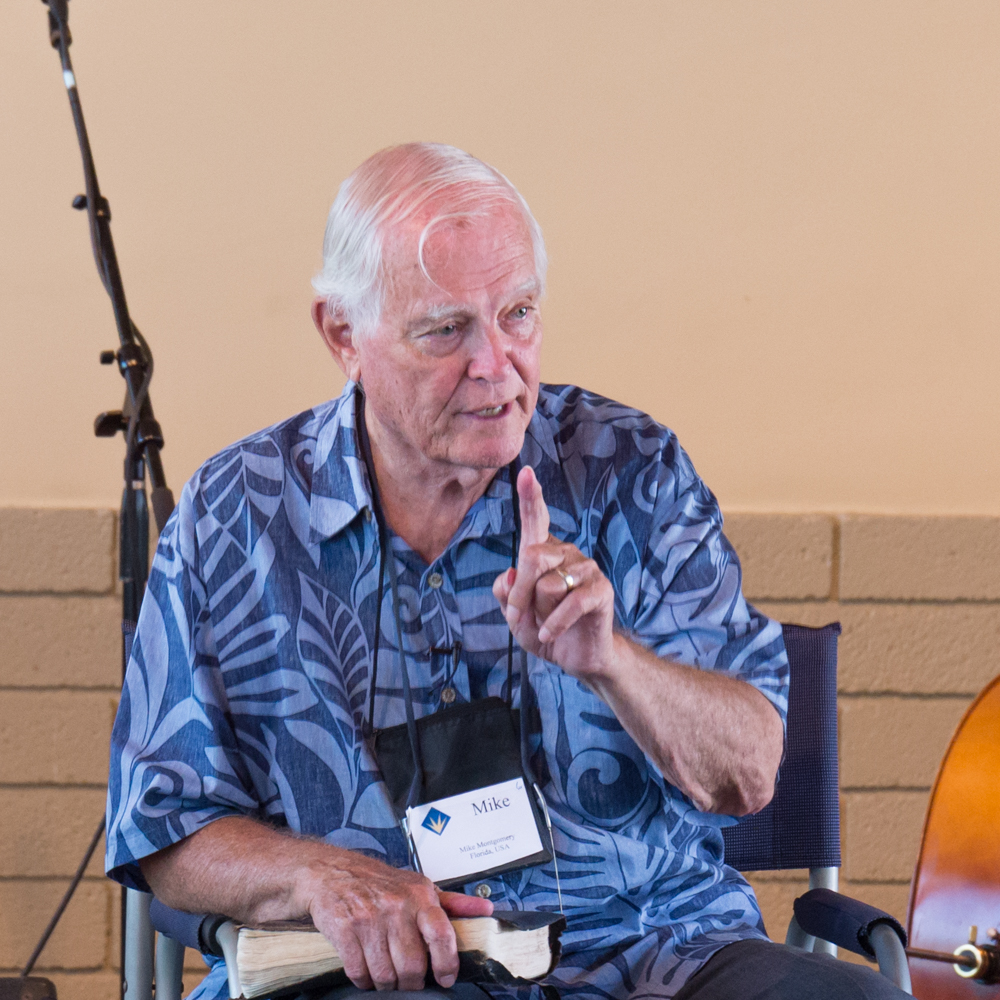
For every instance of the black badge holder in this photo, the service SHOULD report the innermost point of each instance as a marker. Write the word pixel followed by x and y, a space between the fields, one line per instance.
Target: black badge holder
pixel 461 748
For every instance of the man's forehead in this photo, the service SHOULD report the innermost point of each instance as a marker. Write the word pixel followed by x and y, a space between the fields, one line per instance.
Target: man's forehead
pixel 431 271
pixel 408 240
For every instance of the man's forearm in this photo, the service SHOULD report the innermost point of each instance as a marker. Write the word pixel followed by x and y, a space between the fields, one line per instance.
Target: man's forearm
pixel 716 738
pixel 238 867
pixel 386 923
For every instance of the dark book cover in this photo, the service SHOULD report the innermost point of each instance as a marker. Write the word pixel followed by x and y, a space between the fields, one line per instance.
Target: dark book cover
pixel 473 966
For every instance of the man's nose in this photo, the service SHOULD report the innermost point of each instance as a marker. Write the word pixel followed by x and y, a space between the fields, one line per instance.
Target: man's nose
pixel 490 360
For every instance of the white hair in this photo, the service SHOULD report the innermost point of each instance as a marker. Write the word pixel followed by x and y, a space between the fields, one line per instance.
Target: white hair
pixel 394 185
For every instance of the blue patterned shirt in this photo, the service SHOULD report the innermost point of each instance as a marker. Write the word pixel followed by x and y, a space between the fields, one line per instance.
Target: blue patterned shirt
pixel 248 679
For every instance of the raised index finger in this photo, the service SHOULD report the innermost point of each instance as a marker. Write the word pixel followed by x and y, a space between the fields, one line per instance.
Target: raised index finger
pixel 534 513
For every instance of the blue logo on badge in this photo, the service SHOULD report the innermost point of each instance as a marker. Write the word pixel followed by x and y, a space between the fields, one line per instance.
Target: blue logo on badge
pixel 435 821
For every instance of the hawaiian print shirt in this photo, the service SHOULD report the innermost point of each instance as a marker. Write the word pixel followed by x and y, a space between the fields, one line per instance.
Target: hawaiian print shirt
pixel 248 680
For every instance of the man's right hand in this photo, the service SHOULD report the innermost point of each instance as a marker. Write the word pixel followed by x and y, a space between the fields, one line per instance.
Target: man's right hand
pixel 385 922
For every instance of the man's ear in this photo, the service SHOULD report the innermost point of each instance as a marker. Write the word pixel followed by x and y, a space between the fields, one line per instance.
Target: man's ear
pixel 338 335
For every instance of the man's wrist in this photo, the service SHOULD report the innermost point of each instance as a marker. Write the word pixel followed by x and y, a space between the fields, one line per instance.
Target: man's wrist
pixel 604 672
pixel 295 879
pixel 318 864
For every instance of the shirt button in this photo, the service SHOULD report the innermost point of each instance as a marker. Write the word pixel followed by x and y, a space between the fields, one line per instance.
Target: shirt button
pixel 435 580
pixel 448 695
pixel 484 890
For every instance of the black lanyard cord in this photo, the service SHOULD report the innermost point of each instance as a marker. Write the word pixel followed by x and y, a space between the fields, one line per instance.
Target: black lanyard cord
pixel 382 542
pixel 411 725
pixel 513 469
pixel 386 557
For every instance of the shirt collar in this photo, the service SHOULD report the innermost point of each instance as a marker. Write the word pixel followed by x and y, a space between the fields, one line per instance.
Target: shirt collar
pixel 340 489
pixel 340 484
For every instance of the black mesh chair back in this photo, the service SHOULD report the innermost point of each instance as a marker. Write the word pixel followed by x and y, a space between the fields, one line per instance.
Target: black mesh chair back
pixel 800 827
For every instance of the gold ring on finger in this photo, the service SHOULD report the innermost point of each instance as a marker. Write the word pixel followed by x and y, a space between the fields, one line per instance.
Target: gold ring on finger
pixel 571 581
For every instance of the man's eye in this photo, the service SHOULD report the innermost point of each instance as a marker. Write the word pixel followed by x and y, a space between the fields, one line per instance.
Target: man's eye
pixel 520 312
pixel 448 330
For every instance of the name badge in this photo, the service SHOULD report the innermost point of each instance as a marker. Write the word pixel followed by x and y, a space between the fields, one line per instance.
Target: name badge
pixel 463 835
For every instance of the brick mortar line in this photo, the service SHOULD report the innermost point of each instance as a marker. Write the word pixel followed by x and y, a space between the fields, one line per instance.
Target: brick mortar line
pixel 49 688
pixel 841 692
pixel 848 693
pixel 906 695
pixel 892 693
pixel 62 970
pixel 833 598
pixel 853 602
pixel 776 876
pixel 758 599
pixel 50 786
pixel 873 881
pixel 109 924
pixel 58 593
pixel 877 789
pixel 835 559
pixel 56 879
pixel 74 970
pixel 939 602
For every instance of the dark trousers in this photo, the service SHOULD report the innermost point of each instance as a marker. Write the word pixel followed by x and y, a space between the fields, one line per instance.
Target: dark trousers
pixel 746 970
pixel 763 970
pixel 460 991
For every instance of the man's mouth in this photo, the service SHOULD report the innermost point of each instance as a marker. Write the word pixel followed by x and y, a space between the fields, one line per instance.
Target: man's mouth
pixel 491 411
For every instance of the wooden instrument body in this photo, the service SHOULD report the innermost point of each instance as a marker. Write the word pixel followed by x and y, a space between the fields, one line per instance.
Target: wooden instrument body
pixel 957 880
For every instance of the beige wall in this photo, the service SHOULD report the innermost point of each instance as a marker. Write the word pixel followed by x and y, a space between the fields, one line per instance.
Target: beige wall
pixel 773 225
pixel 921 637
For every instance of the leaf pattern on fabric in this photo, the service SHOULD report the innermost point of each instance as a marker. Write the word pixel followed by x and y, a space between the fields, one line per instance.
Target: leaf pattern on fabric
pixel 333 650
pixel 249 675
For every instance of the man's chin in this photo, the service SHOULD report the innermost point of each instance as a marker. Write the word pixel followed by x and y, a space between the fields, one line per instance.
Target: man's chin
pixel 489 454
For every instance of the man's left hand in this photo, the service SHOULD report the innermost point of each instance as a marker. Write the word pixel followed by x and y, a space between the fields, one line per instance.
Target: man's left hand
pixel 558 603
pixel 714 737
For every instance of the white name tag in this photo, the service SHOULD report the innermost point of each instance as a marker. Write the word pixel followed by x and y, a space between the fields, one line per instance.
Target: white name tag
pixel 473 832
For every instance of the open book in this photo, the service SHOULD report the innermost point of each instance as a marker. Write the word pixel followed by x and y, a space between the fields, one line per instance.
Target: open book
pixel 291 955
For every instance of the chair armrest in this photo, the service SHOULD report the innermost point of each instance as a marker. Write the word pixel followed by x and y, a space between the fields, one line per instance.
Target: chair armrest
pixel 194 930
pixel 891 956
pixel 843 921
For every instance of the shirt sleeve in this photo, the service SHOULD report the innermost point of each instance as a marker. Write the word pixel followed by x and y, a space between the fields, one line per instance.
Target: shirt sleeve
pixel 174 765
pixel 690 604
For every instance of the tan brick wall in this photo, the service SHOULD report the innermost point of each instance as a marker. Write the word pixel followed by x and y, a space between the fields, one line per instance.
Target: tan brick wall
pixel 60 673
pixel 919 599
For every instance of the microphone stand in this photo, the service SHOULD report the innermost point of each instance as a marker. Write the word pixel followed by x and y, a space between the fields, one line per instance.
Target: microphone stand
pixel 143 441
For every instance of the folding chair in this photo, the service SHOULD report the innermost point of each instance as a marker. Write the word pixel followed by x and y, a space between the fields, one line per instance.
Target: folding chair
pixel 800 827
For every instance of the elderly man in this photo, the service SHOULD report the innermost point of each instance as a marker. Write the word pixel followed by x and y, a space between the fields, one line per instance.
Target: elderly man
pixel 243 779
